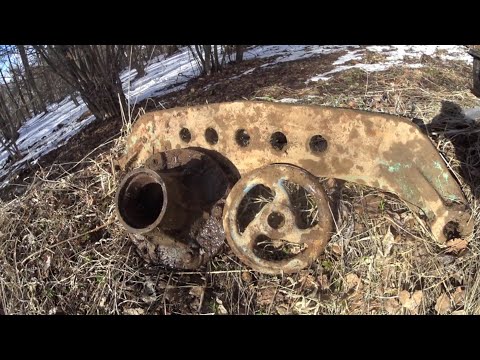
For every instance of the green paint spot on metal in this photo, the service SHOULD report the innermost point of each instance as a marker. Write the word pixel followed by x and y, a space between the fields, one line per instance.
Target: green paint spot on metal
pixel 437 165
pixel 445 177
pixel 396 167
pixel 452 198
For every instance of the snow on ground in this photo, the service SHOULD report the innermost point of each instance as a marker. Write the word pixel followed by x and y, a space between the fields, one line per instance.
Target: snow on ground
pixel 395 55
pixel 48 131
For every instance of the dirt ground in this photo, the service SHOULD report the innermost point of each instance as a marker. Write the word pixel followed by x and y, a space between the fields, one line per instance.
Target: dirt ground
pixel 62 249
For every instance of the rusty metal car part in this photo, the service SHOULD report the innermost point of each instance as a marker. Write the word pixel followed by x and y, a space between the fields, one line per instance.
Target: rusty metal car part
pixel 172 208
pixel 379 150
pixel 279 221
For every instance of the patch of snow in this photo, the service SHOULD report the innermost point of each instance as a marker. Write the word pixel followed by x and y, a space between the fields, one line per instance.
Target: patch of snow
pixel 473 113
pixel 288 101
pixel 352 55
pixel 244 73
pixel 163 77
pixel 395 55
pixel 285 53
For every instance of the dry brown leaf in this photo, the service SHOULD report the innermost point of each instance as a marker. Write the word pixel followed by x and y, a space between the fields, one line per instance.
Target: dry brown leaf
pixel 352 280
pixel 337 249
pixel 411 302
pixel 282 309
pixel 458 296
pixel 408 219
pixel 417 297
pixel 220 308
pixel 459 312
pixel 456 246
pixel 136 311
pixel 387 243
pixel 404 296
pixel 247 277
pixel 443 305
pixel 307 281
pixel 323 281
pixel 46 266
pixel 392 306
pixel 53 311
pixel 265 296
pixel 196 291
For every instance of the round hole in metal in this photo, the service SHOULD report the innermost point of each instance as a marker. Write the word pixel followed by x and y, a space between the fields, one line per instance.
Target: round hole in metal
pixel 211 136
pixel 185 135
pixel 242 138
pixel 278 140
pixel 276 220
pixel 318 144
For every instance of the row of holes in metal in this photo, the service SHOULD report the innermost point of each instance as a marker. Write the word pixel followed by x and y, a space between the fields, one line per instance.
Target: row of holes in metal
pixel 278 140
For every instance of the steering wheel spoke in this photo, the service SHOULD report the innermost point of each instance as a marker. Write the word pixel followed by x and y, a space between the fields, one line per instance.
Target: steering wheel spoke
pixel 281 195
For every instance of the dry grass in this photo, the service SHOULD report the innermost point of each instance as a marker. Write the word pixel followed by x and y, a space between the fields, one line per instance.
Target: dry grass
pixel 63 251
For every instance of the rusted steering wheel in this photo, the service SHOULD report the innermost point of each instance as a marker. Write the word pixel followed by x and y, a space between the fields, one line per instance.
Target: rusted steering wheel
pixel 283 219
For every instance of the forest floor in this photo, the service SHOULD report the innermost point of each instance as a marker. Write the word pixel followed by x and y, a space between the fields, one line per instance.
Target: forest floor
pixel 62 250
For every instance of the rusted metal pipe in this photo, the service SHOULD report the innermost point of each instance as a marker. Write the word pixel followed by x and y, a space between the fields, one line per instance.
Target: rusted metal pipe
pixel 172 208
pixel 148 199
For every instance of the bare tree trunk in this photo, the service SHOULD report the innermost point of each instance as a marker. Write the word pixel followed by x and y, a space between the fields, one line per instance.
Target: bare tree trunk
pixel 30 79
pixel 17 84
pixel 207 49
pixel 218 66
pixel 12 97
pixel 200 56
pixel 73 97
pixel 224 49
pixel 239 53
pixel 171 49
pixel 31 97
pixel 9 130
pixel 148 53
pixel 135 59
pixel 47 80
pixel 51 96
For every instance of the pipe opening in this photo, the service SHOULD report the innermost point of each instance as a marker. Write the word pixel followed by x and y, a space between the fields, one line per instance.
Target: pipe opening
pixel 141 200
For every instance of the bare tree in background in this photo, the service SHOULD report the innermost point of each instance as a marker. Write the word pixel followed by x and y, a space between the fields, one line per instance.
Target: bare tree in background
pixel 134 57
pixel 208 56
pixel 239 49
pixel 8 129
pixel 17 84
pixel 41 104
pixel 92 70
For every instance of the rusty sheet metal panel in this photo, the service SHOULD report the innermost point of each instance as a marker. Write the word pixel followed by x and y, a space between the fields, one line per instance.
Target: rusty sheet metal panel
pixel 379 150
